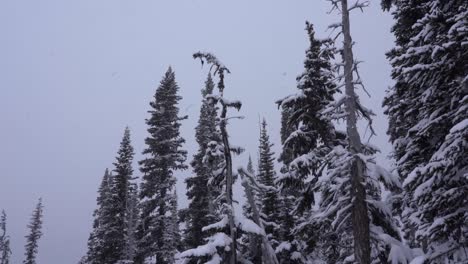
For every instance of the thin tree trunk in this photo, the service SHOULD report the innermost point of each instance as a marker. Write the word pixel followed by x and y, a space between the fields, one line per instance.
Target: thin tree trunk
pixel 360 219
pixel 229 183
pixel 268 254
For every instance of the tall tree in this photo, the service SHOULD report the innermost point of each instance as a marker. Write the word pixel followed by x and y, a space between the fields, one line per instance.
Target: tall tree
pixel 5 250
pixel 288 246
pixel 131 225
pixel 307 135
pixel 360 218
pixel 427 109
pixel 164 156
pixel 200 193
pixel 267 177
pixel 220 151
pixel 222 245
pixel 401 103
pixel 322 161
pixel 97 241
pixel 354 175
pixel 35 233
pixel 120 197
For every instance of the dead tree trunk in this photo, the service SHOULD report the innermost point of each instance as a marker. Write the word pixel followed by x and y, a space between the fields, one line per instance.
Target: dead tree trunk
pixel 268 254
pixel 229 183
pixel 360 219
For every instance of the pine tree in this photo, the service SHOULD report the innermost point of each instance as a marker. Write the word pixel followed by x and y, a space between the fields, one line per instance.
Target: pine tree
pixel 323 161
pixel 32 239
pixel 174 236
pixel 201 211
pixel 131 224
pixel 267 177
pixel 5 250
pixel 428 107
pixel 163 157
pixel 402 103
pixel 97 241
pixel 307 136
pixel 288 246
pixel 120 196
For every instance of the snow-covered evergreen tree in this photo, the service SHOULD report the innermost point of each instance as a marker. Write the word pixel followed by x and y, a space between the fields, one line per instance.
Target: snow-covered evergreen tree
pixel 267 176
pixel 121 189
pixel 131 224
pixel 118 202
pixel 201 194
pixel 428 112
pixel 5 250
pixel 287 250
pixel 307 137
pixel 35 233
pixel 351 205
pixel 304 119
pixel 222 245
pixel 322 161
pixel 164 156
pixel 97 241
pixel 117 213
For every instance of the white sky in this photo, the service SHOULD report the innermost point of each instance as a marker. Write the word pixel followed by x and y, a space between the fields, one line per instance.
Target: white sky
pixel 73 74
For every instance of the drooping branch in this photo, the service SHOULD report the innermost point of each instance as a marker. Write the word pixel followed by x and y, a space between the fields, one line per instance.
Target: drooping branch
pixel 219 68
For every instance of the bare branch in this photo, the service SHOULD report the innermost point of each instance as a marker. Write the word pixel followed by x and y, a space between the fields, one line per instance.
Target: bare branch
pixel 360 5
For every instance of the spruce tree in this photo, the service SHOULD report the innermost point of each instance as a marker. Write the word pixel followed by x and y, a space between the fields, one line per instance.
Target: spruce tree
pixel 35 233
pixel 267 177
pixel 120 197
pixel 200 193
pixel 5 250
pixel 322 160
pixel 401 103
pixel 98 246
pixel 307 136
pixel 427 108
pixel 131 225
pixel 288 246
pixel 164 156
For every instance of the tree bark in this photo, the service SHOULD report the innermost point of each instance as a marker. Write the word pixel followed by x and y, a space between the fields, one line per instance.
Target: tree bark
pixel 229 183
pixel 360 218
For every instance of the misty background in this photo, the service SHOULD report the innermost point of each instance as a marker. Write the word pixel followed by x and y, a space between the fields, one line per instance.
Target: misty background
pixel 73 74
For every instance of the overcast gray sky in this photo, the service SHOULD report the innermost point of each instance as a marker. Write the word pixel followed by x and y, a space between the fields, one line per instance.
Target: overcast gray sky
pixel 73 74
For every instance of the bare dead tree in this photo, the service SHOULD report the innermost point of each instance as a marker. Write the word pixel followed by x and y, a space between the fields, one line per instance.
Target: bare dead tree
pixel 359 213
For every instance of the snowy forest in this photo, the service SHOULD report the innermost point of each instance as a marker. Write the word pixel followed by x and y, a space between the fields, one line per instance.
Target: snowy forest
pixel 324 198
